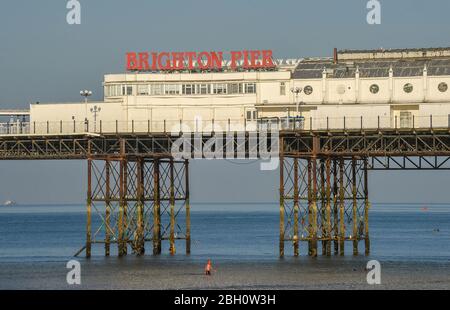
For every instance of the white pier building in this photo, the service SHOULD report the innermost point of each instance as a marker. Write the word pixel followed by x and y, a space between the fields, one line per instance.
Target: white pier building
pixel 402 88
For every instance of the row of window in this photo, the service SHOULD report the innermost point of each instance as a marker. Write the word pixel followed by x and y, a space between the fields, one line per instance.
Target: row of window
pixel 177 89
pixel 409 88
pixel 221 88
pixel 374 88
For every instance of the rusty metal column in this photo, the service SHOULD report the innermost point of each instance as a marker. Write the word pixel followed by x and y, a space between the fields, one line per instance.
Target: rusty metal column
pixel 108 208
pixel 341 206
pixel 281 199
pixel 88 210
pixel 366 209
pixel 323 207
pixel 314 208
pixel 335 208
pixel 125 207
pixel 122 200
pixel 296 207
pixel 328 206
pixel 312 167
pixel 139 238
pixel 122 218
pixel 156 210
pixel 355 208
pixel 172 208
pixel 309 206
pixel 188 208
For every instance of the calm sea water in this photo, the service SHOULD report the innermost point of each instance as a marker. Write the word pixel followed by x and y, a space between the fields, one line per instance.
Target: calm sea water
pixel 400 232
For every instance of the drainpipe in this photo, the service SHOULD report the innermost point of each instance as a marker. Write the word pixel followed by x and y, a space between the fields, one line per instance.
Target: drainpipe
pixel 425 83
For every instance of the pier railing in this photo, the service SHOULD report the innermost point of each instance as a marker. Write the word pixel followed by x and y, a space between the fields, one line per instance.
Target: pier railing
pixel 227 125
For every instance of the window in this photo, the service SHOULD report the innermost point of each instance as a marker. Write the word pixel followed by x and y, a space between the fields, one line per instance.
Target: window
pixel 203 89
pixel 172 89
pixel 250 88
pixel 282 89
pixel 188 89
pixel 405 119
pixel 443 87
pixel 142 90
pixel 235 88
pixel 252 115
pixel 308 90
pixel 374 89
pixel 249 114
pixel 113 91
pixel 408 88
pixel 219 88
pixel 127 90
pixel 156 89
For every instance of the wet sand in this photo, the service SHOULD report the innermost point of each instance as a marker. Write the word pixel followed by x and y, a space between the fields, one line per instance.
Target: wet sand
pixel 169 273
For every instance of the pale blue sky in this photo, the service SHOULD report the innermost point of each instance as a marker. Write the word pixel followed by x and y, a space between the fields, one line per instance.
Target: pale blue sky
pixel 42 58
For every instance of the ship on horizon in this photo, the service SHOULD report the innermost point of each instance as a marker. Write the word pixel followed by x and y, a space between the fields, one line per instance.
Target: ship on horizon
pixel 9 203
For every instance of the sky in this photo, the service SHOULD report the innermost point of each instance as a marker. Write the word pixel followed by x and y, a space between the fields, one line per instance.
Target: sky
pixel 42 58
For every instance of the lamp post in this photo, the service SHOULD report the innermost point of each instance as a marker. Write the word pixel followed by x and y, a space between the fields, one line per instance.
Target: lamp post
pixel 85 93
pixel 296 91
pixel 95 110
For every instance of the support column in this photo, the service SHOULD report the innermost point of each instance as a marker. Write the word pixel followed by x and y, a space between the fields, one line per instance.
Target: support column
pixel 281 202
pixel 139 246
pixel 296 207
pixel 172 208
pixel 355 208
pixel 328 206
pixel 188 208
pixel 122 244
pixel 156 210
pixel 341 206
pixel 366 209
pixel 312 207
pixel 335 207
pixel 107 207
pixel 125 207
pixel 309 206
pixel 88 210
pixel 323 207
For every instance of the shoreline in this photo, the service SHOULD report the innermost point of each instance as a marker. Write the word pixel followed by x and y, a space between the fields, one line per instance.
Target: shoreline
pixel 161 274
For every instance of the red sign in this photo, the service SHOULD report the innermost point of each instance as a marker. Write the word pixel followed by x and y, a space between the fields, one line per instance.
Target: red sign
pixel 179 61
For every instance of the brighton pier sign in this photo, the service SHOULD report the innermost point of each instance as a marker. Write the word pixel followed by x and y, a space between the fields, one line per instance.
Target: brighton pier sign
pixel 182 61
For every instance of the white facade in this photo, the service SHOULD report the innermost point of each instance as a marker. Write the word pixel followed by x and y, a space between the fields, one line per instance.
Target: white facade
pixel 359 86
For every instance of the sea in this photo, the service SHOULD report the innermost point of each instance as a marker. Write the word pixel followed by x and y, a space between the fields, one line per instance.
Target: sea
pixel 227 232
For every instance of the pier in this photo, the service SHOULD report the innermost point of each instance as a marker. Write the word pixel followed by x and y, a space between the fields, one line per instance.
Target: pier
pixel 140 190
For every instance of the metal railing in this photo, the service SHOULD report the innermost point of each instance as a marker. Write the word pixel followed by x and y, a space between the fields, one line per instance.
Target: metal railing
pixel 227 125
